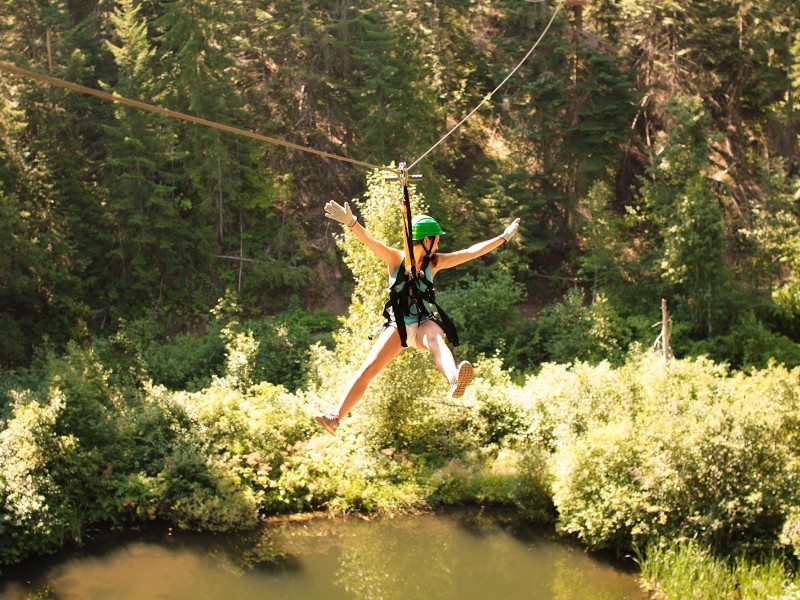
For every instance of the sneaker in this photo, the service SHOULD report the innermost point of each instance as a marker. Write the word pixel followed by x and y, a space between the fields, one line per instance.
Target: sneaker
pixel 329 422
pixel 462 379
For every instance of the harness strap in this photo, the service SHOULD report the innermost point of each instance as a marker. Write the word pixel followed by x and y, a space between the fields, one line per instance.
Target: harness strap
pixel 398 304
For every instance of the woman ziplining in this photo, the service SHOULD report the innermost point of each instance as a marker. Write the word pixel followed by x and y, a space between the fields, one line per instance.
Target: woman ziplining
pixel 410 318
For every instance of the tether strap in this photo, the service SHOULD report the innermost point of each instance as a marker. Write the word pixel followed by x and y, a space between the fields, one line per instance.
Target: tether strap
pixel 408 233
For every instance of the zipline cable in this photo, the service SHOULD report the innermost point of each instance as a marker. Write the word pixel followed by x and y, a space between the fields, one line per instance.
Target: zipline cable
pixel 4 66
pixel 493 92
pixel 68 85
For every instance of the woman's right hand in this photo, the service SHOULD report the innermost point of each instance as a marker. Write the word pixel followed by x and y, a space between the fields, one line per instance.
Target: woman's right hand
pixel 340 213
pixel 510 231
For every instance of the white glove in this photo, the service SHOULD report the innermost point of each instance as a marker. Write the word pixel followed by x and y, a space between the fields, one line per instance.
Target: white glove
pixel 511 230
pixel 340 213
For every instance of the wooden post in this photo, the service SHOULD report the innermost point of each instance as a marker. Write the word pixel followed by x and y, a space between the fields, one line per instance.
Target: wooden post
pixel 662 341
pixel 666 328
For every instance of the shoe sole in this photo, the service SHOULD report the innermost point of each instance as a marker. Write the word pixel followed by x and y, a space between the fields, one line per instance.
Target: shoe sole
pixel 465 374
pixel 321 422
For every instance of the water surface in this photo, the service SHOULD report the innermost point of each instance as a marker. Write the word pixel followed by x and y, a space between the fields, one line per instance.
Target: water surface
pixel 455 555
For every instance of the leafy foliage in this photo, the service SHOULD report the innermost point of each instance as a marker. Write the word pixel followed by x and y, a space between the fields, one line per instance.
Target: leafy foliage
pixel 689 569
pixel 690 456
pixel 648 451
pixel 651 154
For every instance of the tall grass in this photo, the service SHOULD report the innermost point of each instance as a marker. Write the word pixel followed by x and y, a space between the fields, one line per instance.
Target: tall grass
pixel 687 570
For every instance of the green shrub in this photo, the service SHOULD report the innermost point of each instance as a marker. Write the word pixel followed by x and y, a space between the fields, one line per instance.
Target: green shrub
pixel 595 486
pixel 185 362
pixel 282 356
pixel 142 349
pixel 242 437
pixel 194 493
pixel 280 348
pixel 34 515
pixel 570 331
pixel 135 498
pixel 718 466
pixel 568 400
pixel 790 534
pixel 501 415
pixel 83 451
pixel 524 350
pixel 750 344
pixel 696 452
pixel 483 307
pixel 88 414
pixel 346 475
pixel 519 477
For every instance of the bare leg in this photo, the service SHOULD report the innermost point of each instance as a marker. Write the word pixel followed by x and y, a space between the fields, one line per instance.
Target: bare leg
pixel 384 351
pixel 431 336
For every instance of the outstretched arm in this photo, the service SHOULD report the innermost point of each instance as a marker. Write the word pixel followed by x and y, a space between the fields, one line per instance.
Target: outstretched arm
pixel 391 256
pixel 448 260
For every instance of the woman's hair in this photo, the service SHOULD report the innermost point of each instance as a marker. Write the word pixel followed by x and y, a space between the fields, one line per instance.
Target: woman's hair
pixel 433 257
pixel 428 237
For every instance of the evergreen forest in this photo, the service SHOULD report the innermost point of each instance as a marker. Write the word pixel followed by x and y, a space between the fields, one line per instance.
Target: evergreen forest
pixel 174 305
pixel 650 149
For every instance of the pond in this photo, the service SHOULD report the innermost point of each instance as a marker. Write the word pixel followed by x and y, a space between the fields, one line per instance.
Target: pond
pixel 461 554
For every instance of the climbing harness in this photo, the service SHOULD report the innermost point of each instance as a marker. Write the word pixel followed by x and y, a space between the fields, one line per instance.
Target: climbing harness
pixel 414 295
pixel 412 291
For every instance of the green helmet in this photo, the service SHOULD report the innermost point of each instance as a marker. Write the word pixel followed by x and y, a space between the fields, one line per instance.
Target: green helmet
pixel 422 226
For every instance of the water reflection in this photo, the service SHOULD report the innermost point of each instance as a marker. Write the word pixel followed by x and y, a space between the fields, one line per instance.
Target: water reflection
pixel 462 554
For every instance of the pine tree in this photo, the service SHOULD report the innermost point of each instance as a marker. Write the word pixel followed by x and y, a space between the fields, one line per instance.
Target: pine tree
pixel 394 101
pixel 224 199
pixel 603 232
pixel 193 59
pixel 300 56
pixel 149 245
pixel 48 166
pixel 568 113
pixel 684 231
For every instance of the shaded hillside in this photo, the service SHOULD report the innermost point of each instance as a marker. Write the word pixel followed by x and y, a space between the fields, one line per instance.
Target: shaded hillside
pixel 650 148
